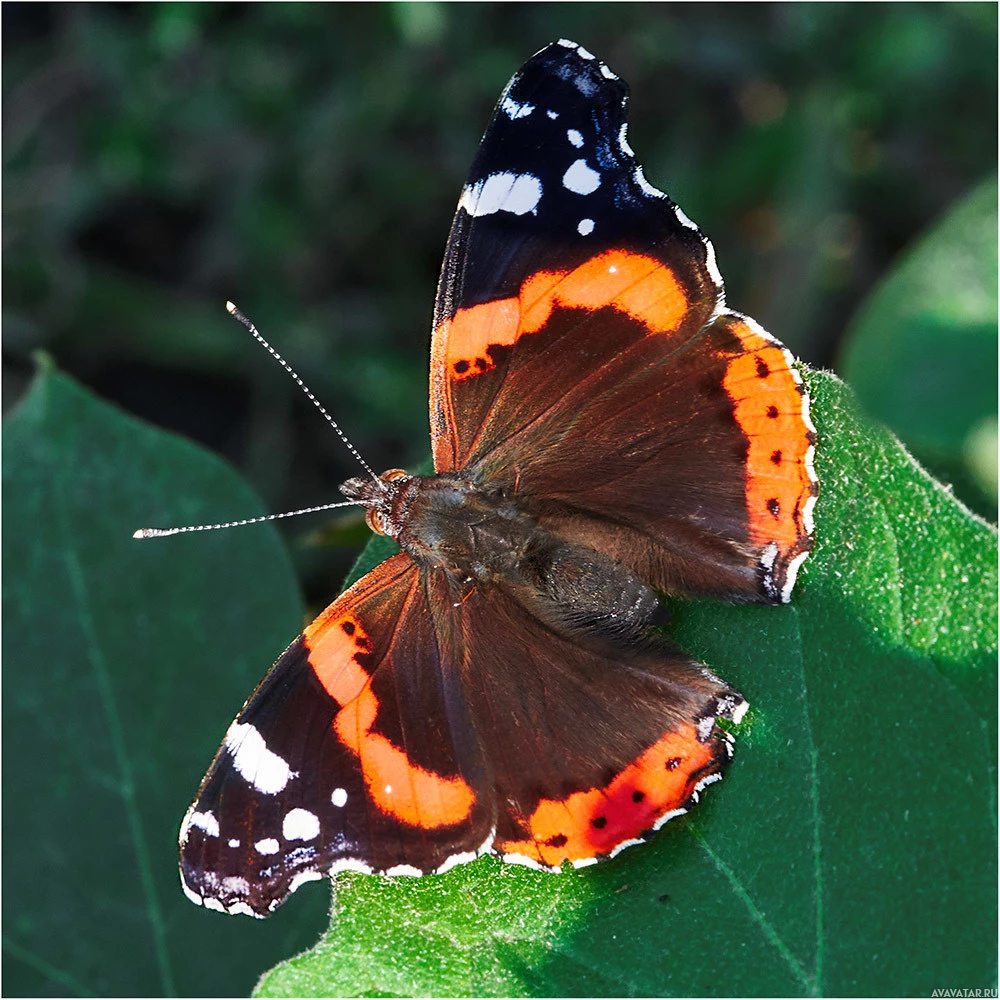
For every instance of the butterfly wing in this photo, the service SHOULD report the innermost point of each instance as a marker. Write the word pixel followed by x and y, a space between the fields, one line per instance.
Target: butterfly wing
pixel 355 752
pixel 592 743
pixel 583 358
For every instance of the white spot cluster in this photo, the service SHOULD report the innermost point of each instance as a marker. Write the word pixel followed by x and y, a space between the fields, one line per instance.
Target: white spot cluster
pixel 205 821
pixel 266 771
pixel 518 194
pixel 513 110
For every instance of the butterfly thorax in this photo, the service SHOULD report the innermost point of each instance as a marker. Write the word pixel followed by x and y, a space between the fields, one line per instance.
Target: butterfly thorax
pixel 447 522
pixel 481 535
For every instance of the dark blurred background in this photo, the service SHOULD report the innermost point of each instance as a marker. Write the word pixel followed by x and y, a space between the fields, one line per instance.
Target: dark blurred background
pixel 305 161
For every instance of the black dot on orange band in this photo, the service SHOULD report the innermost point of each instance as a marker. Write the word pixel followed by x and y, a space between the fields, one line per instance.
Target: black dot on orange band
pixel 461 366
pixel 774 507
pixel 776 457
pixel 638 796
pixel 559 840
pixel 481 364
pixel 762 370
pixel 599 821
pixel 772 412
pixel 348 627
pixel 361 642
pixel 673 763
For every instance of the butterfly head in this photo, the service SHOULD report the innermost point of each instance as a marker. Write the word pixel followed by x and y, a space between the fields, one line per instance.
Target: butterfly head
pixel 383 499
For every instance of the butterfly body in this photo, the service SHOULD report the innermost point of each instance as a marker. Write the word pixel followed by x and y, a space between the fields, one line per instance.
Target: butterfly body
pixel 604 428
pixel 477 536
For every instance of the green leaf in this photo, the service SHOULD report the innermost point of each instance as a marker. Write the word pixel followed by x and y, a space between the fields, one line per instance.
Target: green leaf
pixel 922 351
pixel 850 850
pixel 123 663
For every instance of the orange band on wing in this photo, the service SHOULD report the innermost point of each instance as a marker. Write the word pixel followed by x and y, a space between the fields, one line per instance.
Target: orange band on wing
pixel 397 786
pixel 591 823
pixel 643 287
pixel 769 408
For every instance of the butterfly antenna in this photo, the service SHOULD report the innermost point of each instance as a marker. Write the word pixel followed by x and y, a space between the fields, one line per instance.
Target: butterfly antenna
pixel 161 532
pixel 236 314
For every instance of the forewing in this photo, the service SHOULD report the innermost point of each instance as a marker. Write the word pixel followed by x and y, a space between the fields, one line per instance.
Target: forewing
pixel 353 753
pixel 583 359
pixel 554 186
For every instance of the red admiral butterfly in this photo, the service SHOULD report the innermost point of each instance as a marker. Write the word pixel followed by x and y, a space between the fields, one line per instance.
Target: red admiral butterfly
pixel 603 428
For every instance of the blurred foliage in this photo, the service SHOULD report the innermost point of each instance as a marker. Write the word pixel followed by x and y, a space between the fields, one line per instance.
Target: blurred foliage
pixel 305 161
pixel 922 351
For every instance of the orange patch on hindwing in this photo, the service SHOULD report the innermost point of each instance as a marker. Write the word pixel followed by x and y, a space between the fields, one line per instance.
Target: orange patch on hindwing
pixel 770 408
pixel 640 286
pixel 594 822
pixel 396 785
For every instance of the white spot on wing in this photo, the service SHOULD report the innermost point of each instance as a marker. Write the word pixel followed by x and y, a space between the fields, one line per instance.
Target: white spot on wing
pixel 768 556
pixel 739 711
pixel 682 217
pixel 515 110
pixel 504 192
pixel 553 114
pixel 457 859
pixel 585 227
pixel 339 797
pixel 581 179
pixel 807 420
pixel 240 907
pixel 205 821
pixel 645 186
pixel 623 141
pixel 584 862
pixel 621 847
pixel 566 43
pixel 583 53
pixel 267 846
pixel 466 856
pixel 302 878
pixel 607 74
pixel 523 859
pixel 300 824
pixel 575 137
pixel 807 512
pixel 666 817
pixel 214 904
pixel 709 779
pixel 233 842
pixel 408 870
pixel 191 894
pixel 793 571
pixel 266 771
pixel 350 865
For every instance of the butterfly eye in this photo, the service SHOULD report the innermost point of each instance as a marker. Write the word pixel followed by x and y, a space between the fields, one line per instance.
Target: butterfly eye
pixel 376 521
pixel 393 474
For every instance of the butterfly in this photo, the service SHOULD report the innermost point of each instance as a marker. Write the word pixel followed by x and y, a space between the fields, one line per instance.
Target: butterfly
pixel 603 429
